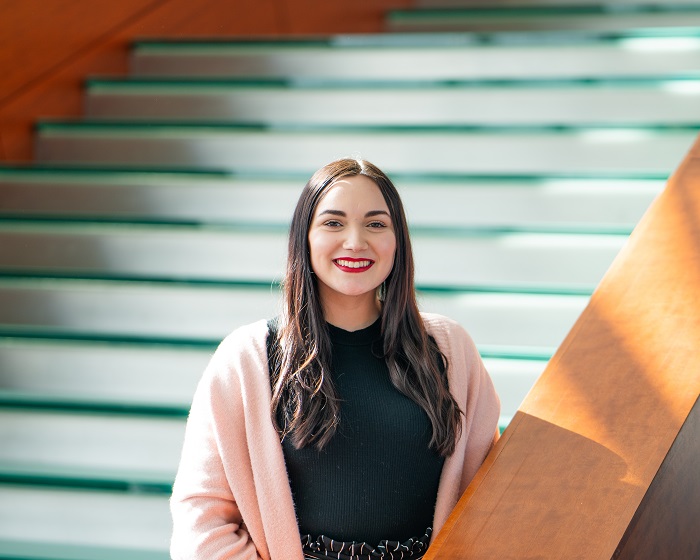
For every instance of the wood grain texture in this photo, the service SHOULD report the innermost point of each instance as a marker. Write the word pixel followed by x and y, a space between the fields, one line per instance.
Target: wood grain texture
pixel 48 47
pixel 572 469
pixel 34 43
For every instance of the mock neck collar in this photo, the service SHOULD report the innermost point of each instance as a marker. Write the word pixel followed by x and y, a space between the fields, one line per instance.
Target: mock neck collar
pixel 356 338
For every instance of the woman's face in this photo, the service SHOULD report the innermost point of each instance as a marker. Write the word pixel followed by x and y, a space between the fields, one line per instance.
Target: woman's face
pixel 351 240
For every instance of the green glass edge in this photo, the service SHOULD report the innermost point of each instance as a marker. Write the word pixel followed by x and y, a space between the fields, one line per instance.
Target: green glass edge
pixel 50 169
pixel 540 11
pixel 418 40
pixel 117 226
pixel 43 126
pixel 57 336
pixel 117 84
pixel 39 404
pixel 10 399
pixel 45 336
pixel 26 338
pixel 24 223
pixel 23 550
pixel 74 220
pixel 60 337
pixel 162 281
pixel 84 482
pixel 524 354
pixel 308 41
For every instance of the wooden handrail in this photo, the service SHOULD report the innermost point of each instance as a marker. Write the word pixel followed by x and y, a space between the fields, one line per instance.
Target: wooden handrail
pixel 600 447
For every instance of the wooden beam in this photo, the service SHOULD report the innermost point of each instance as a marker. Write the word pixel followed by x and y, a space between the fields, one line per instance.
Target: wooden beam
pixel 670 511
pixel 587 464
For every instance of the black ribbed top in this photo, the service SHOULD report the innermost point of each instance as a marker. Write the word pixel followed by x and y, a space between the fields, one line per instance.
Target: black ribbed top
pixel 377 479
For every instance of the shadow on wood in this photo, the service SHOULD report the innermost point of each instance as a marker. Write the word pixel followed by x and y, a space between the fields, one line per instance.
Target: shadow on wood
pixel 601 460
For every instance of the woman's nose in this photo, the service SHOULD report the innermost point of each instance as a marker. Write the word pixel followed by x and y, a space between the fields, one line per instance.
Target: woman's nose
pixel 355 239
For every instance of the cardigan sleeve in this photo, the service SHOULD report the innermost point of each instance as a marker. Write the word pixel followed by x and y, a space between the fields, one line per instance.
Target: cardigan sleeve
pixel 472 388
pixel 207 522
pixel 474 392
pixel 482 411
pixel 481 407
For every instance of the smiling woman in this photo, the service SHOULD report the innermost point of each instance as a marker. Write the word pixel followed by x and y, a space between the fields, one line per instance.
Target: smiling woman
pixel 352 245
pixel 349 426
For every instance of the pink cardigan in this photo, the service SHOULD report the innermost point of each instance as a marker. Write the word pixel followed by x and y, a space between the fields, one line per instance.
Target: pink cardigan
pixel 231 498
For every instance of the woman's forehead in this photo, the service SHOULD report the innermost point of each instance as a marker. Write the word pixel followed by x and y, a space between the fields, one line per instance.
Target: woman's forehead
pixel 354 190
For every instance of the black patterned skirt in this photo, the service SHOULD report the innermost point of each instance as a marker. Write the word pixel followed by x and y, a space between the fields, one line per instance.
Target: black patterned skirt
pixel 323 548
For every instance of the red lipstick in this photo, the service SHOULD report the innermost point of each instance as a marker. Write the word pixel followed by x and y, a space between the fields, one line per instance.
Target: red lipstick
pixel 350 264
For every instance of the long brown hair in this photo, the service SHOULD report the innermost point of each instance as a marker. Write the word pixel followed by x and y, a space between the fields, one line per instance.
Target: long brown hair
pixel 304 400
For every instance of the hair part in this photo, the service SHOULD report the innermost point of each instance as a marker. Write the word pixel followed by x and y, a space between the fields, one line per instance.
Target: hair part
pixel 305 405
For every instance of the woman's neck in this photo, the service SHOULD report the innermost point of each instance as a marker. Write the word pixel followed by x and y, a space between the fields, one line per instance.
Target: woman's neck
pixel 351 314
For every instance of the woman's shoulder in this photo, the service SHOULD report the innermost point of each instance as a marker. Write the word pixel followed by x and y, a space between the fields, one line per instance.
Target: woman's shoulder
pixel 252 333
pixel 449 334
pixel 242 348
pixel 441 325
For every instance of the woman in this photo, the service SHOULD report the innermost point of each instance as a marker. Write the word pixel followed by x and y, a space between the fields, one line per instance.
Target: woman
pixel 349 427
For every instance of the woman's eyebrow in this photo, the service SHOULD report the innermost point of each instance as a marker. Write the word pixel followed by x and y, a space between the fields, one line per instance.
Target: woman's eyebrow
pixel 333 212
pixel 377 213
pixel 369 214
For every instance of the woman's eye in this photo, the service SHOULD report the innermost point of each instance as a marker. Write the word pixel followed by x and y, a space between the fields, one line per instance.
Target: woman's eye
pixel 377 225
pixel 332 223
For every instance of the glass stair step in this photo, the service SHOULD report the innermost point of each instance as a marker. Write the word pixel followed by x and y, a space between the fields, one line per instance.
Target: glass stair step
pixel 445 258
pixel 112 449
pixel 669 102
pixel 156 380
pixel 593 152
pixel 503 324
pixel 82 524
pixel 527 203
pixel 431 57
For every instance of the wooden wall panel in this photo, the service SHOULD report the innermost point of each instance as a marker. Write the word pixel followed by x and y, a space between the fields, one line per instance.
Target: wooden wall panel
pixel 668 517
pixel 47 47
pixel 573 468
pixel 37 36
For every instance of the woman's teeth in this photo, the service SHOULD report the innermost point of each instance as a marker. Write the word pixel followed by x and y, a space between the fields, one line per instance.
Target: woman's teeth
pixel 353 264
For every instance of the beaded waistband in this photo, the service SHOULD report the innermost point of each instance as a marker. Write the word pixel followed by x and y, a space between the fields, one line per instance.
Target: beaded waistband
pixel 324 548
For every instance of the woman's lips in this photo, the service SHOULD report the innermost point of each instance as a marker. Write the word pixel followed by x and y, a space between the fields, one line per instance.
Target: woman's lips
pixel 347 264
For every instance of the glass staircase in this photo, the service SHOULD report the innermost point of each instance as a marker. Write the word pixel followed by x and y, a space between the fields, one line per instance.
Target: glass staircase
pixel 149 229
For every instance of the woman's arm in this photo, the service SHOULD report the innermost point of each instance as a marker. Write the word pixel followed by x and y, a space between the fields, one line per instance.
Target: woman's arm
pixel 482 412
pixel 207 523
pixel 471 386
